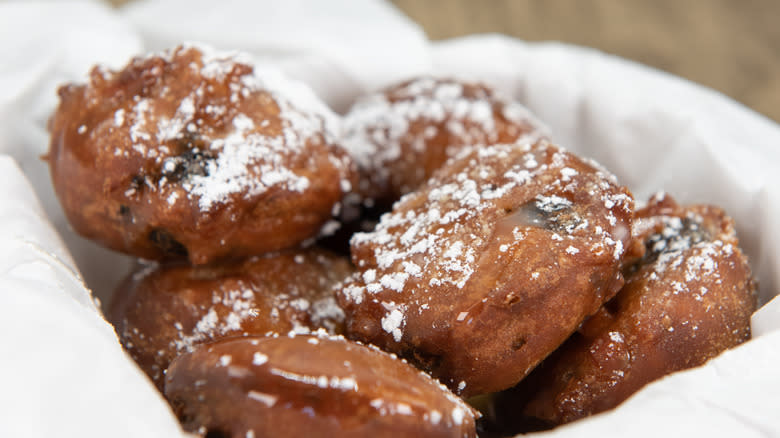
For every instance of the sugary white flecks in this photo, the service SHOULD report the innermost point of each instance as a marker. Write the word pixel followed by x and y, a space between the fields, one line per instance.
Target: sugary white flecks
pixel 458 415
pixel 119 118
pixel 239 305
pixel 404 409
pixel 225 360
pixel 391 323
pixel 376 126
pixel 443 236
pixel 616 337
pixel 243 160
pixel 259 358
pixel 267 399
pixel 354 293
pixel 567 173
pixel 322 381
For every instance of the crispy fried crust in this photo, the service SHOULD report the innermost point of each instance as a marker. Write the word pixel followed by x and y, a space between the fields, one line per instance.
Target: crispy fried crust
pixel 162 311
pixel 688 298
pixel 491 265
pixel 194 155
pixel 309 386
pixel 401 135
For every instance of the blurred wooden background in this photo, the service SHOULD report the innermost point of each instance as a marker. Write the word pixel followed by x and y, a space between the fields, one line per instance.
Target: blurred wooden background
pixel 729 45
pixel 732 46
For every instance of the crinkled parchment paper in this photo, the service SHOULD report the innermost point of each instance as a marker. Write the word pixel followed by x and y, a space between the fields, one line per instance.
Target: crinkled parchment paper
pixel 62 371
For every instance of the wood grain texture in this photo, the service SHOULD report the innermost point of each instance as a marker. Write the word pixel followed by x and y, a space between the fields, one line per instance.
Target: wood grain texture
pixel 731 46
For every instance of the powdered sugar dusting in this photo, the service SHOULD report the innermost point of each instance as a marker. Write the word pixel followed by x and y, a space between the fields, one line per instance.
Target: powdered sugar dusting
pixel 378 125
pixel 240 305
pixel 392 322
pixel 433 238
pixel 227 174
pixel 246 159
pixel 259 359
pixel 686 245
pixel 325 312
pixel 267 399
pixel 238 302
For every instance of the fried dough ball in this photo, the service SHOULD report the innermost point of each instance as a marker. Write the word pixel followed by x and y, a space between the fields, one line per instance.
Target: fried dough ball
pixel 688 299
pixel 491 265
pixel 190 154
pixel 163 310
pixel 309 386
pixel 401 135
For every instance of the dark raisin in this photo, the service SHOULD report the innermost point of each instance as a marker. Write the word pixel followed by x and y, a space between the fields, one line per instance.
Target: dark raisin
pixel 612 307
pixel 676 236
pixel 553 216
pixel 189 163
pixel 519 342
pixel 217 433
pixel 427 361
pixel 163 240
pixel 137 183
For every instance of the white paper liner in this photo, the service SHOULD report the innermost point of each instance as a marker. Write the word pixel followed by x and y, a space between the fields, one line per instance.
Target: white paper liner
pixel 734 395
pixel 62 371
pixel 653 130
pixel 62 368
pixel 42 46
pixel 766 319
pixel 342 48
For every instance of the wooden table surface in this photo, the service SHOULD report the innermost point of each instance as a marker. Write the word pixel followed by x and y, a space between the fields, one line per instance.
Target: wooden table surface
pixel 729 45
pixel 732 46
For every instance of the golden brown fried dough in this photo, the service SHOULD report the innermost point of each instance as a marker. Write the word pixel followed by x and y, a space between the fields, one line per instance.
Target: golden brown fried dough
pixel 309 386
pixel 688 299
pixel 195 155
pixel 491 265
pixel 401 135
pixel 161 311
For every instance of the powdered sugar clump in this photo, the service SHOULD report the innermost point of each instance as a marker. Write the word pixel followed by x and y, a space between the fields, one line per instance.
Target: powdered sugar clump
pixel 392 322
